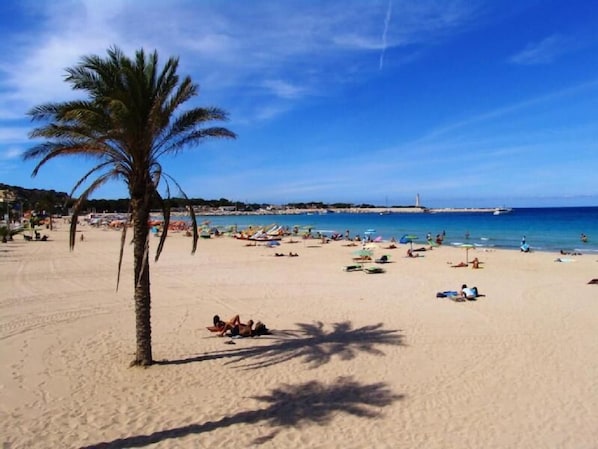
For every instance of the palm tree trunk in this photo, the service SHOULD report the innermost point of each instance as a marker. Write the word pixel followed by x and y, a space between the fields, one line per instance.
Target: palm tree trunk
pixel 143 325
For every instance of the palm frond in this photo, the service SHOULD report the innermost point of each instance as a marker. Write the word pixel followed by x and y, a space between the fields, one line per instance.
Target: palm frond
pixel 191 213
pixel 91 172
pixel 166 214
pixel 123 238
pixel 79 204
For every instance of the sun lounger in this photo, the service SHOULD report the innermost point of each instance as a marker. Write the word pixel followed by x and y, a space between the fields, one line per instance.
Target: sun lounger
pixel 374 270
pixel 353 268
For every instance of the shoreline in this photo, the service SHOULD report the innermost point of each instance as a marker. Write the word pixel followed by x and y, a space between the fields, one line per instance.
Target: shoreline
pixel 350 210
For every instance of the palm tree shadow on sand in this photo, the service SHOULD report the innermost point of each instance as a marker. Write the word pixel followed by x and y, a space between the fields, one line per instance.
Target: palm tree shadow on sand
pixel 287 406
pixel 310 342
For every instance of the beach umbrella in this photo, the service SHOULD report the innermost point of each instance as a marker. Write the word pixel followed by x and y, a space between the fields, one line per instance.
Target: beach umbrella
pixel 467 247
pixel 363 252
pixel 408 238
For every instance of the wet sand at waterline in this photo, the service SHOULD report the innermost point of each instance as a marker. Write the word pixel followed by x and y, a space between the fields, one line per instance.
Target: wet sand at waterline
pixel 355 360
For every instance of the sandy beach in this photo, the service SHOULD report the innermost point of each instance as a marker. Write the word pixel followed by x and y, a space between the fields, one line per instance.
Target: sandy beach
pixel 354 360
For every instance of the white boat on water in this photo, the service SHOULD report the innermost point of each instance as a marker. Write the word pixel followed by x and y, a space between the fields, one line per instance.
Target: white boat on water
pixel 501 210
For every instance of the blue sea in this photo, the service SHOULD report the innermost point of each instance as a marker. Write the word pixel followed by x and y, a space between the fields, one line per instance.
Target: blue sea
pixel 545 229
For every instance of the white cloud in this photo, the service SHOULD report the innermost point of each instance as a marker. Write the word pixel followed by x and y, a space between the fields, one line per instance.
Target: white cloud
pixel 543 52
pixel 11 153
pixel 384 33
pixel 218 42
pixel 11 135
pixel 284 89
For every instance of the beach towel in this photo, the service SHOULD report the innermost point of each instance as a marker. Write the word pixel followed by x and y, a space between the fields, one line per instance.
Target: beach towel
pixel 447 294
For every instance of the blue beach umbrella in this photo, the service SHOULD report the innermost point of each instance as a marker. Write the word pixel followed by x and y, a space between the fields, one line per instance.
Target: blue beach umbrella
pixel 408 238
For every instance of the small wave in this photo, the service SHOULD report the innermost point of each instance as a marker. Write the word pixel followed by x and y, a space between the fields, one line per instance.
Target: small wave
pixel 586 250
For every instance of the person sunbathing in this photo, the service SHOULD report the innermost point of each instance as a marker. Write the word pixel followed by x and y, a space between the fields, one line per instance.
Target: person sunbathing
pixel 235 327
pixel 218 324
pixel 460 264
pixel 475 263
pixel 410 253
pixel 469 293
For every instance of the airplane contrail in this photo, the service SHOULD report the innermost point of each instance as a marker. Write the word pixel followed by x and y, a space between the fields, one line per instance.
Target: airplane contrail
pixel 386 22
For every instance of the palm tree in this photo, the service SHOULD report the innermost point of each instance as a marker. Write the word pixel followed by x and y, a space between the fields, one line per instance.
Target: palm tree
pixel 128 122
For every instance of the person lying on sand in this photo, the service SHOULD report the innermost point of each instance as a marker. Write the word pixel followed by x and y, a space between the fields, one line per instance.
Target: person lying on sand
pixel 469 293
pixel 218 324
pixel 460 264
pixel 235 327
pixel 410 253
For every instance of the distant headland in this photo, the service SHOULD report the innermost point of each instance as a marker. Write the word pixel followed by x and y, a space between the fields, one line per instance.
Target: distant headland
pixel 16 200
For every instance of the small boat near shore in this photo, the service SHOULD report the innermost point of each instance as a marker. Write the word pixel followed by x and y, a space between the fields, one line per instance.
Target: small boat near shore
pixel 502 210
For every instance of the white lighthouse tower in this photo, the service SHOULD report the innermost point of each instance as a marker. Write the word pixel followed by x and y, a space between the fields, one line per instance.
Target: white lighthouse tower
pixel 417 200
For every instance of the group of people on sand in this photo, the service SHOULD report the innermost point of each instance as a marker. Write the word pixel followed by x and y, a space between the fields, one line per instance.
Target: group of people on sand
pixel 475 264
pixel 291 254
pixel 235 328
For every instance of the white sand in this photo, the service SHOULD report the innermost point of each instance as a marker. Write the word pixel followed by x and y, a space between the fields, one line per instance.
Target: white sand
pixel 355 360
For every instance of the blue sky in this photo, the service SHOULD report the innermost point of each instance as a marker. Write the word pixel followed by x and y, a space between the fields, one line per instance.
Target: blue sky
pixel 468 103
